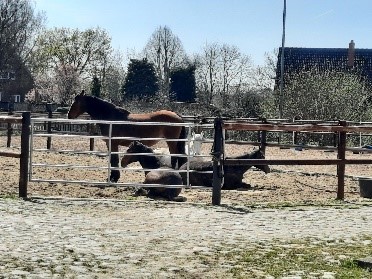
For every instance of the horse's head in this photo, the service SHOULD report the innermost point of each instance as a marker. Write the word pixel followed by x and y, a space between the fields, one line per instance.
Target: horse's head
pixel 78 107
pixel 134 147
pixel 258 154
pixel 198 137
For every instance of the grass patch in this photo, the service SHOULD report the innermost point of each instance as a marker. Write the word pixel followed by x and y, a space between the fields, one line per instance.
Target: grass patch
pixel 298 204
pixel 307 258
pixel 10 196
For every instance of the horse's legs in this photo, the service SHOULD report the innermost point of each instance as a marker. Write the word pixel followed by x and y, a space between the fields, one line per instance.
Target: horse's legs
pixel 172 145
pixel 115 174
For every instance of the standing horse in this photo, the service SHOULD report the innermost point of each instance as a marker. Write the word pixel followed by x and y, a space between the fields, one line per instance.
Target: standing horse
pixel 99 109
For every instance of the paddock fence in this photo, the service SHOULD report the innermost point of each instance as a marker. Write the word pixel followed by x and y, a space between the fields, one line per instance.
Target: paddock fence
pixel 341 129
pixel 32 141
pixel 67 140
pixel 23 156
pixel 312 139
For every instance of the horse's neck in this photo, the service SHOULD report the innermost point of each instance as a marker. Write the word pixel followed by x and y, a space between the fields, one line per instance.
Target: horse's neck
pixel 149 162
pixel 196 147
pixel 252 155
pixel 102 110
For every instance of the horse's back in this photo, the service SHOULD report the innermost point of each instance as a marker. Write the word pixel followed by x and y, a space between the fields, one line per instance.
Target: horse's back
pixel 156 116
pixel 165 178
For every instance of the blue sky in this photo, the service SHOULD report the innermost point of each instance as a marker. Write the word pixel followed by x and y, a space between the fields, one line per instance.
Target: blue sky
pixel 254 26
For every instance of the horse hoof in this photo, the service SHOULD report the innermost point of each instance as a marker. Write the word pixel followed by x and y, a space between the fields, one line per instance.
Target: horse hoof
pixel 114 177
pixel 179 199
pixel 140 192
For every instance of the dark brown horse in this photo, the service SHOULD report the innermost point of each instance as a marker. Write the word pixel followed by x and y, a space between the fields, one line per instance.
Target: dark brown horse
pixel 201 172
pixel 99 109
pixel 138 152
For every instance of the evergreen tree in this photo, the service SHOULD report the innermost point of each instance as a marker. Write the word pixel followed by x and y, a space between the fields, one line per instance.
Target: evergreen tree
pixel 96 87
pixel 141 80
pixel 183 84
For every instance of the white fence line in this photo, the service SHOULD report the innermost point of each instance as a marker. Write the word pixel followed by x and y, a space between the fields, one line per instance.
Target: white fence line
pixel 62 134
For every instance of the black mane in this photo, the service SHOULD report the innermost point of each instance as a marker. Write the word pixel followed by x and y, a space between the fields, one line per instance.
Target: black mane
pixel 100 109
pixel 146 161
pixel 256 154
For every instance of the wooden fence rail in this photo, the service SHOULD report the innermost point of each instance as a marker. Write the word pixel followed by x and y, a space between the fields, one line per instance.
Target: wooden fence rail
pixel 25 120
pixel 341 128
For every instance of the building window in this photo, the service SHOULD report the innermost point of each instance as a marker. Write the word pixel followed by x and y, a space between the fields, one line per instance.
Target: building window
pixel 17 98
pixel 7 75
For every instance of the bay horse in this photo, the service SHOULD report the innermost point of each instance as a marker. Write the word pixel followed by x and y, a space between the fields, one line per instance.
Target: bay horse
pixel 99 109
pixel 233 175
pixel 138 152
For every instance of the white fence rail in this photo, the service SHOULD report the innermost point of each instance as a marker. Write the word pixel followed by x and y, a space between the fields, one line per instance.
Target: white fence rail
pixel 68 161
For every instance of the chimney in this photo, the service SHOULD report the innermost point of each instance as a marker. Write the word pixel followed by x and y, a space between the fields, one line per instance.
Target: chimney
pixel 351 54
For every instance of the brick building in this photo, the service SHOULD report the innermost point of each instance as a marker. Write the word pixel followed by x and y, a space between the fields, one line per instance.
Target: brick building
pixel 15 83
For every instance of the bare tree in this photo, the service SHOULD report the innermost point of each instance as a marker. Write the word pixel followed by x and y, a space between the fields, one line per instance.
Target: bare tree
pixel 80 55
pixel 206 72
pixel 85 51
pixel 236 70
pixel 265 74
pixel 222 70
pixel 112 77
pixel 165 51
pixel 18 26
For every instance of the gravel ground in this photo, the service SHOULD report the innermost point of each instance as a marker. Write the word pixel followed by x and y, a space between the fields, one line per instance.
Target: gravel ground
pixel 116 239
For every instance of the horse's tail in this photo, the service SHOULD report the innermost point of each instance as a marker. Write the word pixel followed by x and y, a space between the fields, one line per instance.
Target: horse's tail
pixel 181 147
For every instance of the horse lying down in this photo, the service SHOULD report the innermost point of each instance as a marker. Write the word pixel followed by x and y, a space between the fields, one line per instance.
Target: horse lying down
pixel 154 177
pixel 233 175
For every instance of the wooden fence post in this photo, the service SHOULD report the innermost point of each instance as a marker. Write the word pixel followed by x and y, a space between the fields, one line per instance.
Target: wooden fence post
pixel 25 150
pixel 9 128
pixel 49 125
pixel 263 136
pixel 217 161
pixel 90 129
pixel 341 167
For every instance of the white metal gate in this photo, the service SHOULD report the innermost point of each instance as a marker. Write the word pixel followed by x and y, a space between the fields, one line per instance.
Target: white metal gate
pixel 67 160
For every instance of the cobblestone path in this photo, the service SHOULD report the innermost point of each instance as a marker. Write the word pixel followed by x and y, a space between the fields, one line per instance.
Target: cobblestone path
pixel 112 239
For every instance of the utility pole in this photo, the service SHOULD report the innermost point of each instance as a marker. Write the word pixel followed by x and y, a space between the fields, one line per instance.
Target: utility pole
pixel 282 64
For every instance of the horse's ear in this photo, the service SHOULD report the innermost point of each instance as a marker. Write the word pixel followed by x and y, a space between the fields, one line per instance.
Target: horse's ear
pixel 82 93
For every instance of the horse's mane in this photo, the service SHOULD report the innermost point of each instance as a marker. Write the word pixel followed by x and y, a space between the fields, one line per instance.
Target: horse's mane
pixel 99 106
pixel 146 161
pixel 252 155
pixel 138 146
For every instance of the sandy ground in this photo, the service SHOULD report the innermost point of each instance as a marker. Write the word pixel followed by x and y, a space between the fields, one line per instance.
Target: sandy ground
pixel 295 184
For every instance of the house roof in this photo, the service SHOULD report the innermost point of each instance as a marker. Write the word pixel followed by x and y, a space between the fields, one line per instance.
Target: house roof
pixel 296 59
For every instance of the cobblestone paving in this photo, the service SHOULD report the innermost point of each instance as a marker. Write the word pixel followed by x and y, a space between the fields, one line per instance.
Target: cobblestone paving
pixel 105 239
